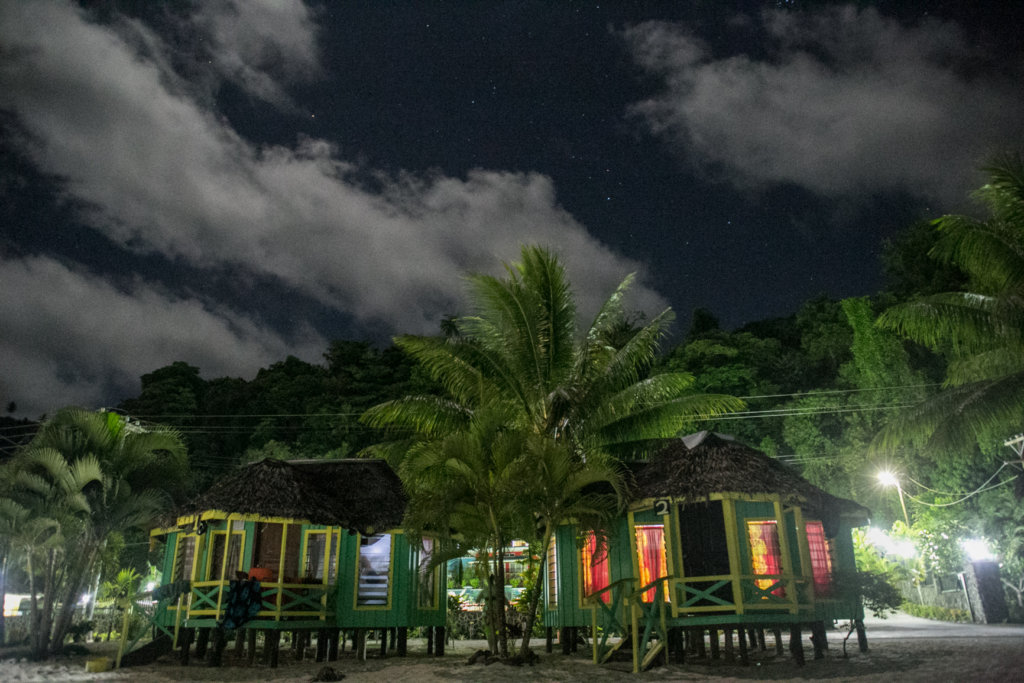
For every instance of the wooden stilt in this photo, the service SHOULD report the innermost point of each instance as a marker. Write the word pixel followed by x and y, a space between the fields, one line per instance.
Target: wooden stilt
pixel 565 638
pixel 779 648
pixel 239 642
pixel 219 642
pixel 321 644
pixel 402 636
pixel 713 633
pixel 549 639
pixel 274 645
pixel 741 636
pixel 430 640
pixel 185 637
pixel 862 636
pixel 796 646
pixel 359 646
pixel 299 644
pixel 250 645
pixel 676 645
pixel 439 641
pixel 760 639
pixel 820 639
pixel 702 649
pixel 384 642
pixel 730 656
pixel 332 644
pixel 202 642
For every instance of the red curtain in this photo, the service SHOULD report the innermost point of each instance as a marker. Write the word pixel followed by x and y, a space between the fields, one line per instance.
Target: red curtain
pixel 596 570
pixel 650 550
pixel 821 559
pixel 765 553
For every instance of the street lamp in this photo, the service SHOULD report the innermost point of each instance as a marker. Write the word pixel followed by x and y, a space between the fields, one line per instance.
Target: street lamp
pixel 889 479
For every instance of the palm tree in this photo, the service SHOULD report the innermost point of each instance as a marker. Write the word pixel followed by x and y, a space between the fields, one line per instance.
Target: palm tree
pixel 517 367
pixel 981 331
pixel 92 474
pixel 520 349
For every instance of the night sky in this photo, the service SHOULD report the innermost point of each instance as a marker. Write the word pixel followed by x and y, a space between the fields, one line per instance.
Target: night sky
pixel 227 183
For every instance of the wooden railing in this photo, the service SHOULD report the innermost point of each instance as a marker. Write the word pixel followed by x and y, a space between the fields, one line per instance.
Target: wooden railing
pixel 636 621
pixel 281 601
pixel 738 593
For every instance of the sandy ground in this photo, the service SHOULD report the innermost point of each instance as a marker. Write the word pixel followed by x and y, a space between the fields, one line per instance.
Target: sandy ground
pixel 907 650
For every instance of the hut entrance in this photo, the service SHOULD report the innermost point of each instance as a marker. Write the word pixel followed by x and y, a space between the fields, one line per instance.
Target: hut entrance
pixel 704 546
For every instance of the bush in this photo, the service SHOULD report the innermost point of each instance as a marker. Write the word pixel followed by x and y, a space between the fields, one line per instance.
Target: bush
pixel 937 613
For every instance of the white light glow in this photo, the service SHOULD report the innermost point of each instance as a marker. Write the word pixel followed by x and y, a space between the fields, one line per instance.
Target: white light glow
pixel 977 549
pixel 887 478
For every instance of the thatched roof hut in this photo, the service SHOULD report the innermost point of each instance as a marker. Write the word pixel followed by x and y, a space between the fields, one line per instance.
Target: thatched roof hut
pixel 361 494
pixel 703 463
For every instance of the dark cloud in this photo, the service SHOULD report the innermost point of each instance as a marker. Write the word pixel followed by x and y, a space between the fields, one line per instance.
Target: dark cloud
pixel 842 101
pixel 161 173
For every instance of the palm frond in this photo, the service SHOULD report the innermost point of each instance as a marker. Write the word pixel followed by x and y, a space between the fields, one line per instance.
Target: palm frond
pixel 961 318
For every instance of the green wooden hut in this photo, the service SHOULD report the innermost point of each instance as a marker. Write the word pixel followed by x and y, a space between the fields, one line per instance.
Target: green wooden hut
pixel 321 537
pixel 718 538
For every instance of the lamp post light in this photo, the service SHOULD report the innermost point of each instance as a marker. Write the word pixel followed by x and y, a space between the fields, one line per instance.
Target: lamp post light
pixel 889 479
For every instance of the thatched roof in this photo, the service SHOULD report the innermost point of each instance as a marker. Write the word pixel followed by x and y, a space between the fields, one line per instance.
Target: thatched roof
pixel 361 494
pixel 704 463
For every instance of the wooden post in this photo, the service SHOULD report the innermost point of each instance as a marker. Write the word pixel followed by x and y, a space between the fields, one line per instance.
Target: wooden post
pixel 332 644
pixel 251 645
pixel 862 636
pixel 321 645
pixel 439 642
pixel 676 646
pixel 274 645
pixel 403 641
pixel 741 636
pixel 702 650
pixel 266 646
pixel 549 639
pixel 239 642
pixel 796 646
pixel 430 640
pixel 565 638
pixel 299 644
pixel 185 638
pixel 220 641
pixel 202 642
pixel 713 639
pixel 779 648
pixel 820 639
pixel 760 640
pixel 729 654
pixel 383 642
pixel 360 645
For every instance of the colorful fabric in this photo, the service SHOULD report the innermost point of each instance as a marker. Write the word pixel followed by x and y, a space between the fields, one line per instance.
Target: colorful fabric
pixel 596 569
pixel 650 550
pixel 821 558
pixel 245 599
pixel 765 554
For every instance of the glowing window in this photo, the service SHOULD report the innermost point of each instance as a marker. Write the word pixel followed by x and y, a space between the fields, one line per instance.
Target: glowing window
pixel 821 558
pixel 596 570
pixel 765 554
pixel 650 550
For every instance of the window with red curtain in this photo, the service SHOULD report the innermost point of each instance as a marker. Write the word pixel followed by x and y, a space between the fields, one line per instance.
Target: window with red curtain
pixel 765 553
pixel 821 558
pixel 596 571
pixel 650 550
